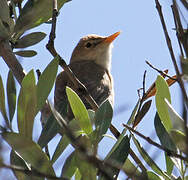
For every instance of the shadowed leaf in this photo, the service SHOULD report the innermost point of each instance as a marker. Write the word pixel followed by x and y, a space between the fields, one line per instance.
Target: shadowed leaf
pixel 29 151
pixel 142 113
pixel 27 102
pixel 11 94
pixel 46 82
pixel 26 53
pixel 30 39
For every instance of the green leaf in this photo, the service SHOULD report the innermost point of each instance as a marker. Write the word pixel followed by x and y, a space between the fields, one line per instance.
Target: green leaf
pixel 131 170
pixel 169 164
pixel 103 118
pixel 118 155
pixel 63 143
pixel 164 137
pixel 29 151
pixel 149 160
pixel 153 176
pixel 35 13
pixel 78 175
pixel 184 67
pixel 162 94
pixel 30 39
pixel 26 53
pixel 69 167
pixel 79 110
pixel 87 170
pixel 177 121
pixel 51 127
pixel 4 33
pixel 11 94
pixel 46 82
pixel 16 160
pixel 180 139
pixel 2 103
pixel 27 102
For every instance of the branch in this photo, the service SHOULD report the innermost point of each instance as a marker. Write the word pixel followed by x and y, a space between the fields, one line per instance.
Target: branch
pixel 168 151
pixel 169 44
pixel 11 60
pixel 32 172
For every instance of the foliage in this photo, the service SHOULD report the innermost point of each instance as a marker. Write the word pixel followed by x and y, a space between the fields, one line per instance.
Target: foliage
pixel 88 128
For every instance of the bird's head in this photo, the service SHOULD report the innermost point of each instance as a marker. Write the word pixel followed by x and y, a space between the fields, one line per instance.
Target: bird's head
pixel 95 48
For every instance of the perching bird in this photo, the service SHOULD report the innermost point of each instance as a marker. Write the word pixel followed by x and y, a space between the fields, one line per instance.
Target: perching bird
pixel 91 63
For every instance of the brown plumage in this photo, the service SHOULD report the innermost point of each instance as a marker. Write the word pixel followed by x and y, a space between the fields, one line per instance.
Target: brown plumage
pixel 91 63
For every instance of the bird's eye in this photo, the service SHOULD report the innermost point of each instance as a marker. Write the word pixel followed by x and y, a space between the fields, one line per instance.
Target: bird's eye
pixel 88 45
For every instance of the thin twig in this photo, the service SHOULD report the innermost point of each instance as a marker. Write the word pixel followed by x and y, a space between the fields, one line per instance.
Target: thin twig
pixel 160 71
pixel 144 84
pixel 168 151
pixel 32 172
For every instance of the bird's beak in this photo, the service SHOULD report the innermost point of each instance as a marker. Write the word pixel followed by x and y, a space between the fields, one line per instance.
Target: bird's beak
pixel 110 38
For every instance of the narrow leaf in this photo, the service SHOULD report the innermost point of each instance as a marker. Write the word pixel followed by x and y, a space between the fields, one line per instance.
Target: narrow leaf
pixel 145 108
pixel 27 102
pixel 79 110
pixel 149 160
pixel 103 118
pixel 63 143
pixel 26 53
pixel 119 156
pixel 164 137
pixel 153 176
pixel 11 94
pixel 46 82
pixel 69 167
pixel 29 151
pixel 162 94
pixel 30 39
pixel 177 121
pixel 2 103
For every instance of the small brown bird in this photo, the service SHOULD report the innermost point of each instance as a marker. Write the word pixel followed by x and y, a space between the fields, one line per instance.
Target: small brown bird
pixel 91 63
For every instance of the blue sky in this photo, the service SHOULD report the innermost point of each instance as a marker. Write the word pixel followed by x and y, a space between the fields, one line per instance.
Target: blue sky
pixel 141 39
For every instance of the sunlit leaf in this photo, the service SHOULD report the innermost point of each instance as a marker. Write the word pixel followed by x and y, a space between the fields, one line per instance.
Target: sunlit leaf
pixel 153 176
pixel 11 94
pixel 26 53
pixel 29 151
pixel 79 110
pixel 177 121
pixel 27 102
pixel 162 94
pixel 30 39
pixel 46 82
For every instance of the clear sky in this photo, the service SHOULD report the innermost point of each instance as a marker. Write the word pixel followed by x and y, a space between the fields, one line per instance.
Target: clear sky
pixel 141 39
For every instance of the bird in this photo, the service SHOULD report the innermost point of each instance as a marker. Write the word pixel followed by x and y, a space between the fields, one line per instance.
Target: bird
pixel 91 64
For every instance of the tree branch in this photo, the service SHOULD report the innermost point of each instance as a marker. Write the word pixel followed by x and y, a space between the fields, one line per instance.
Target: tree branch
pixel 11 60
